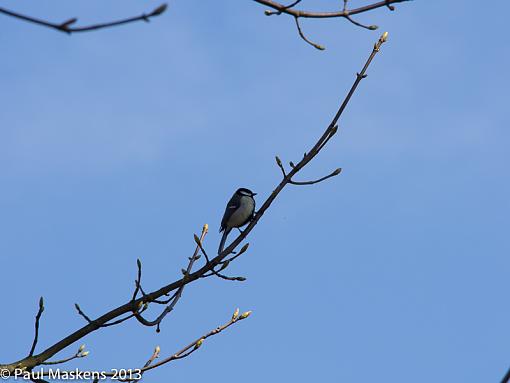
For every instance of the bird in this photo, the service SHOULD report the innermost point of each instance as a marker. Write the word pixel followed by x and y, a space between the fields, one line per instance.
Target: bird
pixel 239 211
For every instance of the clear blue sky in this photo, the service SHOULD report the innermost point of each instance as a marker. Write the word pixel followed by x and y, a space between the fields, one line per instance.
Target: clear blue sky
pixel 121 144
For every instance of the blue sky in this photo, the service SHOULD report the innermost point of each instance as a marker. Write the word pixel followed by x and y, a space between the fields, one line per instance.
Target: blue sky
pixel 121 144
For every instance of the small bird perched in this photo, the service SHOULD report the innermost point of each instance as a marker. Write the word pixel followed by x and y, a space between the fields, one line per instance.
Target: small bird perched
pixel 239 212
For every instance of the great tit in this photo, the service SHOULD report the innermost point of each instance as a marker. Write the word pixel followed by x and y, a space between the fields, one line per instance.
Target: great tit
pixel 239 211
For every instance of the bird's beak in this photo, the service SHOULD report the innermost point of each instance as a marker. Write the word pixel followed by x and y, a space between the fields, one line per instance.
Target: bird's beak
pixel 254 194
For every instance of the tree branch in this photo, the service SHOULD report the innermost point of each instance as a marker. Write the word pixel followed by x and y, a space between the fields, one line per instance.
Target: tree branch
pixel 506 378
pixel 132 305
pixel 37 319
pixel 66 25
pixel 280 8
pixel 178 294
pixel 333 174
pixel 191 347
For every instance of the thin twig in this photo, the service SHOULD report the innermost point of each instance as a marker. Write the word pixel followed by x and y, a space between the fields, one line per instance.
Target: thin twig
pixel 195 345
pixel 157 322
pixel 138 279
pixel 302 35
pixel 333 174
pixel 369 27
pixel 61 361
pixel 81 313
pixel 37 319
pixel 65 26
pixel 280 8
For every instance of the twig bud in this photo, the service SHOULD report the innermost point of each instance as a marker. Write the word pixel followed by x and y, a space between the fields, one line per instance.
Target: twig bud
pixel 205 229
pixel 240 279
pixel 337 171
pixel 199 343
pixel 41 304
pixel 84 354
pixel 384 37
pixel 245 315
pixel 184 272
pixel 67 23
pixel 197 240
pixel 373 27
pixel 159 10
pixel 243 249
pixel 81 348
pixel 157 351
pixel 235 314
pixel 278 161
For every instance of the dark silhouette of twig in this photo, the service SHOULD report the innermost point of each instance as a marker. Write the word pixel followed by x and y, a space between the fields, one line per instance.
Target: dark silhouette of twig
pixel 191 347
pixel 302 35
pixel 66 25
pixel 37 319
pixel 506 378
pixel 81 353
pixel 278 9
pixel 333 174
pixel 157 322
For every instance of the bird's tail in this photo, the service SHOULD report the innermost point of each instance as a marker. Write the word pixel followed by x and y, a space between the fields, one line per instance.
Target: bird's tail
pixel 223 239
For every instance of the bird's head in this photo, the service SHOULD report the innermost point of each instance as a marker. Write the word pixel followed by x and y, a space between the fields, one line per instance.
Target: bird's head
pixel 245 192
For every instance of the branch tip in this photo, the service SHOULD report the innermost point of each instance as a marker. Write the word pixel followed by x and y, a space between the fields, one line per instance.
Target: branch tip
pixel 159 10
pixel 67 23
pixel 245 315
pixel 243 249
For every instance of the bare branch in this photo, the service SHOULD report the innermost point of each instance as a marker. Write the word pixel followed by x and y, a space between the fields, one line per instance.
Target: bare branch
pixel 82 314
pixel 369 27
pixel 302 35
pixel 195 345
pixel 280 8
pixel 66 25
pixel 138 279
pixel 81 353
pixel 37 319
pixel 132 305
pixel 157 322
pixel 506 378
pixel 280 165
pixel 333 174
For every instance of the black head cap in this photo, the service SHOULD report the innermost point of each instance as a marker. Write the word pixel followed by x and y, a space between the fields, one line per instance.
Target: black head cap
pixel 244 191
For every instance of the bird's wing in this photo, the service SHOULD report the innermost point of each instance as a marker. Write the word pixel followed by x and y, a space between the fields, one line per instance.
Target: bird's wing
pixel 232 206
